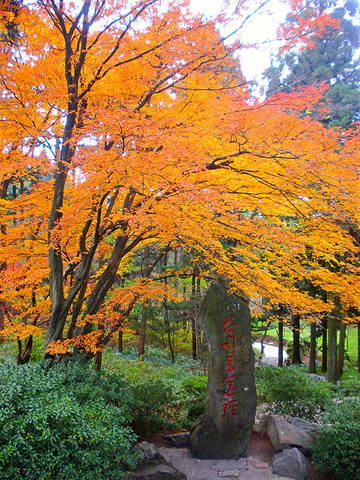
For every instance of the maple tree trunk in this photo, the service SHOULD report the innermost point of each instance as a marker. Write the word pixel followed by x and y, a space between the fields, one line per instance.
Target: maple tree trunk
pixel 341 350
pixel 324 327
pixel 312 360
pixel 142 336
pixel 296 358
pixel 23 355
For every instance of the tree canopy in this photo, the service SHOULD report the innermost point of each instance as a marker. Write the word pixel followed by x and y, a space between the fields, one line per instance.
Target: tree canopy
pixel 127 124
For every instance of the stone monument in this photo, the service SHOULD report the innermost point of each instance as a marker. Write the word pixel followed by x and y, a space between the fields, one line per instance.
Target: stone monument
pixel 230 404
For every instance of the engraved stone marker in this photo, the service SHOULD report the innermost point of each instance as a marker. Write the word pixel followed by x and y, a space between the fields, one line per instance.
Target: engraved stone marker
pixel 230 404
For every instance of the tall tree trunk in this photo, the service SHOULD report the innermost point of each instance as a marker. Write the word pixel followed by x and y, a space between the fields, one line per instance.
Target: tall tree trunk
pixel 332 341
pixel 281 344
pixel 193 320
pixel 98 355
pixel 168 331
pixel 296 358
pixel 120 340
pixel 358 349
pixel 263 338
pixel 341 349
pixel 142 336
pixel 324 326
pixel 312 361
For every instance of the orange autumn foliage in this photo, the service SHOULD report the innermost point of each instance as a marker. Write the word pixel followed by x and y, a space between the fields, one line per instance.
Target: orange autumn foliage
pixel 129 124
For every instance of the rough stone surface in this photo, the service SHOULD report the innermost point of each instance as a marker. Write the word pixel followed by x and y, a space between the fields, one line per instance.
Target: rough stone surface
pixel 230 404
pixel 149 454
pixel 307 427
pixel 178 440
pixel 196 469
pixel 284 435
pixel 153 466
pixel 291 463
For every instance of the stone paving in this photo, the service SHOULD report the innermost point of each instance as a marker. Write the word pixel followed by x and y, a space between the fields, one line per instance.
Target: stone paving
pixel 196 469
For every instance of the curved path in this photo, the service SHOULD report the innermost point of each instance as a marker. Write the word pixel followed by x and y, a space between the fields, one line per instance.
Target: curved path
pixel 270 356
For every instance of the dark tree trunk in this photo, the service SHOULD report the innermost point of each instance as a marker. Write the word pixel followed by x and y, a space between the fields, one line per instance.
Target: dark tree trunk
pixel 142 336
pixel 193 320
pixel 333 321
pixel 359 347
pixel 168 332
pixel 295 357
pixel 120 340
pixel 281 344
pixel 23 355
pixel 324 327
pixel 312 361
pixel 341 350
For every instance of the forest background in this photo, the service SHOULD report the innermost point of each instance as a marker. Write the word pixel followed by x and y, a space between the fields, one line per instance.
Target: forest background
pixel 137 162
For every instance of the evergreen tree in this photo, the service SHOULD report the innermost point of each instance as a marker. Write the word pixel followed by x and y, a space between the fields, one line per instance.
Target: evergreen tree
pixel 330 59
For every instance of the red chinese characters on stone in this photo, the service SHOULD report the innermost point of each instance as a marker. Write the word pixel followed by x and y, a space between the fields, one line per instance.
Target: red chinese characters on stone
pixel 230 404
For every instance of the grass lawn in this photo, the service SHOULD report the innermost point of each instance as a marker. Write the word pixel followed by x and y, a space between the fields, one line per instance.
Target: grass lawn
pixel 351 342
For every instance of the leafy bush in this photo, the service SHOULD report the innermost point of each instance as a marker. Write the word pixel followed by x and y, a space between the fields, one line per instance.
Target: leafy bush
pixel 337 451
pixel 195 387
pixel 291 392
pixel 152 408
pixel 161 398
pixel 64 422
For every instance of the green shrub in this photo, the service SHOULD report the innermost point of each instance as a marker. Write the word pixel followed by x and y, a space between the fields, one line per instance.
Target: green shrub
pixel 291 392
pixel 350 384
pixel 152 407
pixel 163 392
pixel 195 388
pixel 66 422
pixel 195 385
pixel 337 451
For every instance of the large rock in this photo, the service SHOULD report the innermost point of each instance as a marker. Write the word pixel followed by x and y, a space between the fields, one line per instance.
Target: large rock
pixel 307 427
pixel 230 403
pixel 153 466
pixel 291 463
pixel 177 440
pixel 284 435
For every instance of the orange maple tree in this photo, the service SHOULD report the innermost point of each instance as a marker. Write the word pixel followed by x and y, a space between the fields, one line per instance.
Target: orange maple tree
pixel 126 124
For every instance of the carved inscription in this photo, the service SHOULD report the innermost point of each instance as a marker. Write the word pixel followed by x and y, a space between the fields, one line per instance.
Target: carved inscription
pixel 230 403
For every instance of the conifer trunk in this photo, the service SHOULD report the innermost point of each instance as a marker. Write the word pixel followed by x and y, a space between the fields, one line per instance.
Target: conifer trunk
pixel 324 327
pixel 142 336
pixel 296 357
pixel 341 350
pixel 281 344
pixel 312 360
